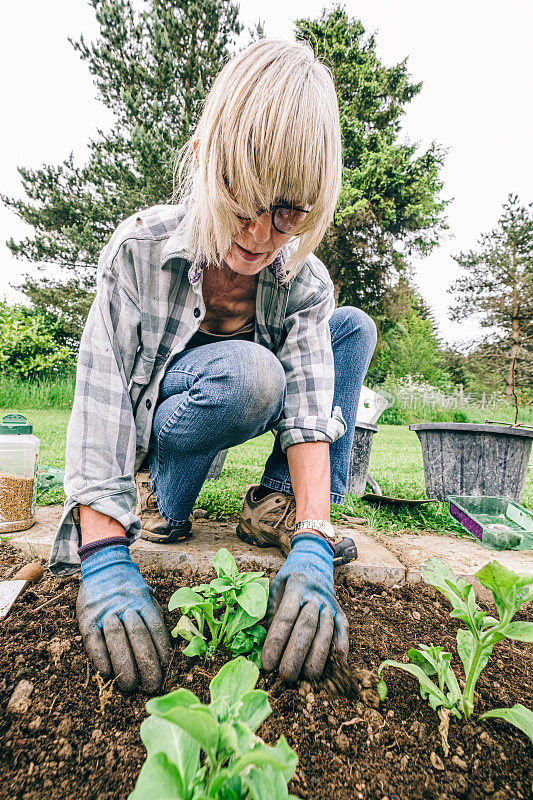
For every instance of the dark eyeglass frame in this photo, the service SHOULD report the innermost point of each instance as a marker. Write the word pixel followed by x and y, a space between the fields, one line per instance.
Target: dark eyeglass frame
pixel 274 209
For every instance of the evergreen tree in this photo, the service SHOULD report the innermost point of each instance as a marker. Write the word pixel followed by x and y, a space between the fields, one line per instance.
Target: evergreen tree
pixel 498 283
pixel 152 65
pixel 389 206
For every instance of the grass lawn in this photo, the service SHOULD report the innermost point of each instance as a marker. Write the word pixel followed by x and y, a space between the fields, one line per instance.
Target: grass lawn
pixel 396 464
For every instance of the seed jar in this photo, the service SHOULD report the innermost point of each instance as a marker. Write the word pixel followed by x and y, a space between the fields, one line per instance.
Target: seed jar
pixel 19 452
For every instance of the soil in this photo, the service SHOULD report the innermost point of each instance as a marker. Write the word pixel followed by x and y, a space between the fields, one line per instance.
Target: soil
pixel 72 738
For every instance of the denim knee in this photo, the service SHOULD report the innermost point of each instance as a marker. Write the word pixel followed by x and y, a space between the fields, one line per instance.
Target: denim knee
pixel 256 384
pixel 350 320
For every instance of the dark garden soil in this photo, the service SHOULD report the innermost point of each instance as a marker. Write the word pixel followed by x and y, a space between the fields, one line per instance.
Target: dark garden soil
pixel 78 741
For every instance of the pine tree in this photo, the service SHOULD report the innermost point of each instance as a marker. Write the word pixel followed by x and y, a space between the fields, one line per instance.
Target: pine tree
pixel 152 67
pixel 498 284
pixel 389 206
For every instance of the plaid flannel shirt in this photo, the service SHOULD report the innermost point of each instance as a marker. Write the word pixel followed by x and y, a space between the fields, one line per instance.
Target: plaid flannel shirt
pixel 148 305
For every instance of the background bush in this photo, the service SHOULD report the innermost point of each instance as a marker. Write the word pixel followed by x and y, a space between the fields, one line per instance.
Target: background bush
pixel 33 344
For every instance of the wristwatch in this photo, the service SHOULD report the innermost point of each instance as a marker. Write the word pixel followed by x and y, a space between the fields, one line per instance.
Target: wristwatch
pixel 322 526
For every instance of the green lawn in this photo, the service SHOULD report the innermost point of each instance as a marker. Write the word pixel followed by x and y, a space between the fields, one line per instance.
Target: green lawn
pixel 396 464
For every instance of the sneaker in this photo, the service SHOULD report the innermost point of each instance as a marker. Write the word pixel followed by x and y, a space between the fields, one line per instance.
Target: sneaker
pixel 270 523
pixel 154 527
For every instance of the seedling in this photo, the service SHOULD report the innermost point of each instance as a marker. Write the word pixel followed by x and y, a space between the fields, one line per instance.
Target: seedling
pixel 474 645
pixel 225 611
pixel 237 764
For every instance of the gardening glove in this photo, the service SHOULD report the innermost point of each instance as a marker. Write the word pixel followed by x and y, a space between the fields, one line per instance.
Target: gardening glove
pixel 121 623
pixel 305 617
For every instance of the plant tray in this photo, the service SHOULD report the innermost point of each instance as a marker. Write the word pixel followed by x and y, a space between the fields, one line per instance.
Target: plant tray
pixel 496 522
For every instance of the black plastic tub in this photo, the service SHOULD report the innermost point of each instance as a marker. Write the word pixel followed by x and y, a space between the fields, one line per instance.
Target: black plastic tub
pixel 475 460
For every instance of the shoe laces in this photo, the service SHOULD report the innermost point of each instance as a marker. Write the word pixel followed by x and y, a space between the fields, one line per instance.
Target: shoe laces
pixel 289 513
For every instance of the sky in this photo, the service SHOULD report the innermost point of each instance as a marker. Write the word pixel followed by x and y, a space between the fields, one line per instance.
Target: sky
pixel 474 58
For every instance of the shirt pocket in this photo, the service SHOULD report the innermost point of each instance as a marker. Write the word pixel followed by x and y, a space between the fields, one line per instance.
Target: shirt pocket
pixel 140 377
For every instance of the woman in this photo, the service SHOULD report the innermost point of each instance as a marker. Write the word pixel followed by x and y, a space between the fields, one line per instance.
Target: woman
pixel 213 322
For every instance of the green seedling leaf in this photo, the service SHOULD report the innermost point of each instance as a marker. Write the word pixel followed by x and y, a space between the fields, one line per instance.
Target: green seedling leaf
pixel 160 706
pixel 228 740
pixel 160 736
pixel 250 638
pixel 509 590
pixel 519 716
pixel 253 599
pixel 196 647
pixel 159 778
pixel 187 629
pixel 467 648
pixel 251 576
pixel 519 631
pixel 382 690
pixel 185 710
pixel 428 689
pixel 239 621
pixel 281 757
pixel 185 598
pixel 224 564
pixel 255 708
pixel 235 679
pixel 221 585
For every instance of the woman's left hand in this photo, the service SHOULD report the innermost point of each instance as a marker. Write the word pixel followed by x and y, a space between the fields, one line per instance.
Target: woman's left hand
pixel 304 614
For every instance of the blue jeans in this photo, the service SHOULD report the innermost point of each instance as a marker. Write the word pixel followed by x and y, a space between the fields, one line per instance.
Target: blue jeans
pixel 223 394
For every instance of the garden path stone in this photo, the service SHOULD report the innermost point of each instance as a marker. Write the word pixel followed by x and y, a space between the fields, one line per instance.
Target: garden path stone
pixel 387 560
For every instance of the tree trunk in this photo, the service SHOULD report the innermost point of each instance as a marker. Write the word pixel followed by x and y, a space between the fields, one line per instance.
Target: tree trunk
pixel 515 334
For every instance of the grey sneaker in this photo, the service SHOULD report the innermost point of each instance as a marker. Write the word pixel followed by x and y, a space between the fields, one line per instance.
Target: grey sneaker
pixel 154 527
pixel 270 523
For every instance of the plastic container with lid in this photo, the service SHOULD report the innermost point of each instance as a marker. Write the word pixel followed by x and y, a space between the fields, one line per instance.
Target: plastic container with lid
pixel 19 453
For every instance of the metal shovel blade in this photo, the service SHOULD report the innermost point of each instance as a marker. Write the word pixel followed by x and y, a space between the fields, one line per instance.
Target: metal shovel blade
pixel 9 591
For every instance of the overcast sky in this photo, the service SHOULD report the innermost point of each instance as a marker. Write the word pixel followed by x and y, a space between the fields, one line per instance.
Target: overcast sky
pixel 473 56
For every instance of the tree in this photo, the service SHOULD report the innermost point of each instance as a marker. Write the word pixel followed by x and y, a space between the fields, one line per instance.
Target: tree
pixel 34 344
pixel 152 68
pixel 407 340
pixel 499 285
pixel 389 206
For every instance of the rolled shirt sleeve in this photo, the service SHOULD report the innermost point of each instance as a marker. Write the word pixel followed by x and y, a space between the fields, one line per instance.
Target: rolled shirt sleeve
pixel 307 358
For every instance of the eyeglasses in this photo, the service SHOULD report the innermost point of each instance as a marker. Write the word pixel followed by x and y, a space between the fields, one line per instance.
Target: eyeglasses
pixel 285 219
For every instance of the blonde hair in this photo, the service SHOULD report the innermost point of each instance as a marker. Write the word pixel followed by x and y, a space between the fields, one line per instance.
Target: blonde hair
pixel 269 131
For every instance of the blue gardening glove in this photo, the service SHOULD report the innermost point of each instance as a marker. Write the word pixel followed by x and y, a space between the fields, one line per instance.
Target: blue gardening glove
pixel 305 617
pixel 121 623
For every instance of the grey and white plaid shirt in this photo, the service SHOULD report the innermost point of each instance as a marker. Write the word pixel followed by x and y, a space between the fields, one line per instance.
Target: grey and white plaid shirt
pixel 148 305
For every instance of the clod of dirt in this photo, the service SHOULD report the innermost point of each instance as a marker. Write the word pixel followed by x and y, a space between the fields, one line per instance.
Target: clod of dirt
pixel 35 724
pixel 65 750
pixel 436 762
pixel 57 647
pixel 19 702
pixel 64 726
pixel 459 762
pixel 342 743
pixel 341 681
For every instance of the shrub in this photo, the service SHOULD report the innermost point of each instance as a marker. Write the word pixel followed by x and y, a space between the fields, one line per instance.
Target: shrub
pixel 33 343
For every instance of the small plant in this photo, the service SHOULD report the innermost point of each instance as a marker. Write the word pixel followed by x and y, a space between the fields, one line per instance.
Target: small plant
pixel 474 645
pixel 225 611
pixel 237 764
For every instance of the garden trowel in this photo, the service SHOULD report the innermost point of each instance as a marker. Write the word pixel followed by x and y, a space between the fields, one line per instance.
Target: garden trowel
pixel 13 588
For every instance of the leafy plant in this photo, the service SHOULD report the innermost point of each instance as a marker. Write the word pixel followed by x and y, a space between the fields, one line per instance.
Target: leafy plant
pixel 519 716
pixel 237 764
pixel 475 644
pixel 225 611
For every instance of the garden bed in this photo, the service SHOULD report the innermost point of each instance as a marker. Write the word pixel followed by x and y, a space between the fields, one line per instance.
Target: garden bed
pixel 64 746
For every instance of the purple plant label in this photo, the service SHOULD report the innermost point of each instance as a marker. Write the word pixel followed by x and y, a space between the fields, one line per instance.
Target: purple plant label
pixel 466 521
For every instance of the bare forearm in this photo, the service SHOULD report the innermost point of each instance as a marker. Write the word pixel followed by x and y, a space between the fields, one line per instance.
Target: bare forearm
pixel 96 526
pixel 310 478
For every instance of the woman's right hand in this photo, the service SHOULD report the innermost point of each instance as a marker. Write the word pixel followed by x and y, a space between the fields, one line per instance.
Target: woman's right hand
pixel 121 622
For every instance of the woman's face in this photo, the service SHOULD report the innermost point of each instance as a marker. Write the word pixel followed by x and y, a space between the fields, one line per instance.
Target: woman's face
pixel 256 246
